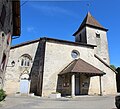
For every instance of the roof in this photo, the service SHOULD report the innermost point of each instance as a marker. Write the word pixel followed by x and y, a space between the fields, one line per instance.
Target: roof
pixel 90 21
pixel 80 66
pixel 54 41
pixel 104 63
pixel 25 43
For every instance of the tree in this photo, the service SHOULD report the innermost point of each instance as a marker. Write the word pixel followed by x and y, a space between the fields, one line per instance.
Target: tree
pixel 113 67
pixel 118 79
pixel 118 70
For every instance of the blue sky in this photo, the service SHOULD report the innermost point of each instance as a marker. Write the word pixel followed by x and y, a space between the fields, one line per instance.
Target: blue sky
pixel 61 19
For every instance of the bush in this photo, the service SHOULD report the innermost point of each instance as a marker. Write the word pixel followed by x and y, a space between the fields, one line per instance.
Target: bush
pixel 2 94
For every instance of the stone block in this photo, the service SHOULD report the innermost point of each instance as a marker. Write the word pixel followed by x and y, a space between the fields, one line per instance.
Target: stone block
pixel 55 95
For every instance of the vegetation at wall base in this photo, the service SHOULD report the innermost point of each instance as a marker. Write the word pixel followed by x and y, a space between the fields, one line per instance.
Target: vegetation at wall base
pixel 2 94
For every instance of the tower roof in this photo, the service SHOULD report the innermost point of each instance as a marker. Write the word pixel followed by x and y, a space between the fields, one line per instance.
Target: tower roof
pixel 90 21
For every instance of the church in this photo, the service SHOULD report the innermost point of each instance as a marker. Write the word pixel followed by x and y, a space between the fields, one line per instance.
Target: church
pixel 48 65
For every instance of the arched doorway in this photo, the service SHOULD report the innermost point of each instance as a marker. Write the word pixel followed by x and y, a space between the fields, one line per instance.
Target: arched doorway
pixel 24 84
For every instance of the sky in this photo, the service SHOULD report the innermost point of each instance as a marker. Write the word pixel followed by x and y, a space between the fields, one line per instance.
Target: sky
pixel 60 19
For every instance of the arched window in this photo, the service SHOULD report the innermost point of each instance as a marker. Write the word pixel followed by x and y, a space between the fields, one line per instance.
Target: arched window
pixel 3 36
pixel 24 77
pixel 25 60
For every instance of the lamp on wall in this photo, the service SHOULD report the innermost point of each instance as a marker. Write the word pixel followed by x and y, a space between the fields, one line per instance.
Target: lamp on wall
pixel 12 64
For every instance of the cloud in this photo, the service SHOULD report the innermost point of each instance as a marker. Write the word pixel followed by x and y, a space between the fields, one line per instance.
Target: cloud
pixel 30 29
pixel 53 10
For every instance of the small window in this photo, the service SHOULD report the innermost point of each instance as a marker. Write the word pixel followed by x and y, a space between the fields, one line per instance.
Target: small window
pixel 75 54
pixel 22 61
pixel 28 63
pixel 3 36
pixel 25 61
pixel 3 61
pixel 97 34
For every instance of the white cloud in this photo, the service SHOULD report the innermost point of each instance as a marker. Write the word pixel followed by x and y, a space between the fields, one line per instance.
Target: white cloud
pixel 53 10
pixel 30 29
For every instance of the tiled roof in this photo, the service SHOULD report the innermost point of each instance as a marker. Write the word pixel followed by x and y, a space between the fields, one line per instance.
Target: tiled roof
pixel 90 21
pixel 80 66
pixel 104 63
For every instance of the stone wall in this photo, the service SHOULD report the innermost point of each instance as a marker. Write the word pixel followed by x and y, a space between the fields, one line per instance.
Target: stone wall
pixel 102 45
pixel 108 81
pixel 81 36
pixel 6 29
pixel 36 74
pixel 49 58
pixel 57 57
pixel 13 74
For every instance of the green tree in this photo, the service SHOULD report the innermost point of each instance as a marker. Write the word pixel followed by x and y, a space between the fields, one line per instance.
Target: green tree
pixel 2 94
pixel 113 67
pixel 118 70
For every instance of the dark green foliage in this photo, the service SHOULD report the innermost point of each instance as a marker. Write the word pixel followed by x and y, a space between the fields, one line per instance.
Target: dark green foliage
pixel 118 70
pixel 113 67
pixel 118 79
pixel 2 94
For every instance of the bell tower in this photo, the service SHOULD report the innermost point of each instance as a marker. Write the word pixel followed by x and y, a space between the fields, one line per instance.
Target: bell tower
pixel 92 32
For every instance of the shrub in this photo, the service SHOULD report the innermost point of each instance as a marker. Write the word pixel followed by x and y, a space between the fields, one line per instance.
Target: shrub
pixel 2 94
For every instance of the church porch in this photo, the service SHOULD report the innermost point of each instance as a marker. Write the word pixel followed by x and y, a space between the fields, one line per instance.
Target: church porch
pixel 75 78
pixel 73 84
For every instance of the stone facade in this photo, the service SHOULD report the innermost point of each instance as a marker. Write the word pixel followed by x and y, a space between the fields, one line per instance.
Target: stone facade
pixel 100 50
pixel 14 74
pixel 53 56
pixel 50 57
pixel 6 32
pixel 61 54
pixel 37 70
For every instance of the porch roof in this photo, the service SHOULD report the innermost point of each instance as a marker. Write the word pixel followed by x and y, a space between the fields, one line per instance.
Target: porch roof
pixel 80 66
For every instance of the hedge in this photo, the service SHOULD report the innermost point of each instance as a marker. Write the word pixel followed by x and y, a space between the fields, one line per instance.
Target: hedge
pixel 2 94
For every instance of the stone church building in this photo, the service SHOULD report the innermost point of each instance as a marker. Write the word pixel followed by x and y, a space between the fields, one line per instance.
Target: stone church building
pixel 48 65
